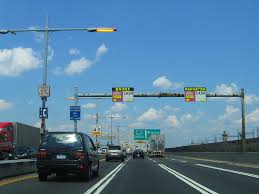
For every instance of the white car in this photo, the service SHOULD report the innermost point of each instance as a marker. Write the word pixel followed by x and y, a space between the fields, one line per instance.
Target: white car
pixel 104 150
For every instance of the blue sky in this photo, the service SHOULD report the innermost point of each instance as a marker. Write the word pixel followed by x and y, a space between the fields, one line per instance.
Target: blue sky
pixel 159 46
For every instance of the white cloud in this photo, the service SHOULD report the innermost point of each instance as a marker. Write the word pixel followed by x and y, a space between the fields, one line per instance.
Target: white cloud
pixel 251 99
pixel 101 50
pixel 118 107
pixel 14 62
pixel 5 105
pixel 58 71
pixel 89 117
pixel 50 53
pixel 63 127
pixel 89 106
pixel 230 112
pixel 164 83
pixel 108 114
pixel 74 51
pixel 189 118
pixel 173 121
pixel 78 66
pixel 150 115
pixel 38 36
pixel 253 117
pixel 226 89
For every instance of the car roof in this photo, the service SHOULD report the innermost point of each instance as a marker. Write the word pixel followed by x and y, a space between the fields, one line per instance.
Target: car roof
pixel 66 132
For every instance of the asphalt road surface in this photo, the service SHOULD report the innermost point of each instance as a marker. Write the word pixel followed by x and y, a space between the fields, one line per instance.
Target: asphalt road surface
pixel 151 175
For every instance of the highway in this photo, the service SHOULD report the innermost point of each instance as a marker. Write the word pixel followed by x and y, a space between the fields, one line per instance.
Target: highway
pixel 151 175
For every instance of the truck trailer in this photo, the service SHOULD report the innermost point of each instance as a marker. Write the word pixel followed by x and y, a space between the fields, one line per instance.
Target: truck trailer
pixel 156 145
pixel 14 135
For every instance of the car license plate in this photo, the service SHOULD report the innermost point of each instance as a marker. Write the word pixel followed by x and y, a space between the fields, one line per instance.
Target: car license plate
pixel 114 154
pixel 61 157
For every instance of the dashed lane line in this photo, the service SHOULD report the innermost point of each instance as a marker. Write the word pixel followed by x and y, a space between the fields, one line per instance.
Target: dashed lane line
pixel 231 171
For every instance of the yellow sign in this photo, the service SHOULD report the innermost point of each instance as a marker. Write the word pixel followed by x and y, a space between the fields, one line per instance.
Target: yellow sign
pixel 139 141
pixel 96 133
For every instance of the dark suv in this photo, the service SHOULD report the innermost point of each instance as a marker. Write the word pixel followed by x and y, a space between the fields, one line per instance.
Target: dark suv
pixel 67 152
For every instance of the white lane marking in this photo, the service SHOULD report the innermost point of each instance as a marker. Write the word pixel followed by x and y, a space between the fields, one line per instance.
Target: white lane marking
pixel 154 161
pixel 202 189
pixel 173 159
pixel 232 171
pixel 183 161
pixel 99 190
pixel 89 191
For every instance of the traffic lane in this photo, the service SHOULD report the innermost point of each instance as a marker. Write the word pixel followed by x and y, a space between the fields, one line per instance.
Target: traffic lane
pixel 230 166
pixel 67 185
pixel 217 180
pixel 143 176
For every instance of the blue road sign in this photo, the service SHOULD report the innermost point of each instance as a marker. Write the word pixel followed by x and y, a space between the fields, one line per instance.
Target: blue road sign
pixel 74 112
pixel 43 113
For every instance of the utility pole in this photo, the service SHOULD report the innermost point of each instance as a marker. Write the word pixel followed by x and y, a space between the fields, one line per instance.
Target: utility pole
pixel 112 117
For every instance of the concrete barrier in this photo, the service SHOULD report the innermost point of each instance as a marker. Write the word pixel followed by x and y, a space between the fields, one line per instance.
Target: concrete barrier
pixel 11 168
pixel 236 157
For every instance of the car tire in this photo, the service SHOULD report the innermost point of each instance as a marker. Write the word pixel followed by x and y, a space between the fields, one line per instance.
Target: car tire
pixel 42 177
pixel 107 160
pixel 122 159
pixel 88 173
pixel 96 172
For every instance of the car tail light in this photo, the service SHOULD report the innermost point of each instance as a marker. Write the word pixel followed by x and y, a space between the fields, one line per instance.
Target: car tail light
pixel 80 154
pixel 42 154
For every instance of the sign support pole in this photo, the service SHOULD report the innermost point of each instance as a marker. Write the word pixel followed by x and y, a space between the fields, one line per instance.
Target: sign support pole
pixel 76 102
pixel 96 140
pixel 243 121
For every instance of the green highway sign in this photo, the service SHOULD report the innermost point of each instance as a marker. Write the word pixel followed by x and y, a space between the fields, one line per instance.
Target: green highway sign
pixel 139 134
pixel 144 134
pixel 152 132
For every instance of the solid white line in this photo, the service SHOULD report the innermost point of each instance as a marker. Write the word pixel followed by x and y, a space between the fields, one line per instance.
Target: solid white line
pixel 99 190
pixel 89 191
pixel 232 171
pixel 202 189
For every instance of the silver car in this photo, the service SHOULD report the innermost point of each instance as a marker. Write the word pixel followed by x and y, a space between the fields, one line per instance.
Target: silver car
pixel 115 153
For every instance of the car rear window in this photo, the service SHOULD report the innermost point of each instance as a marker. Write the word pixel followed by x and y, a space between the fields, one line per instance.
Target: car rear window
pixel 62 140
pixel 114 147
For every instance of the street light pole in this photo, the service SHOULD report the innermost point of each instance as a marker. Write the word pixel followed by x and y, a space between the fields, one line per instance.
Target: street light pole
pixel 44 98
pixel 46 32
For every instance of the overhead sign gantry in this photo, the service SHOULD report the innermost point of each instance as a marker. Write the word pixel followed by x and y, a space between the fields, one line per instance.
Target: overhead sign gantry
pixel 198 94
